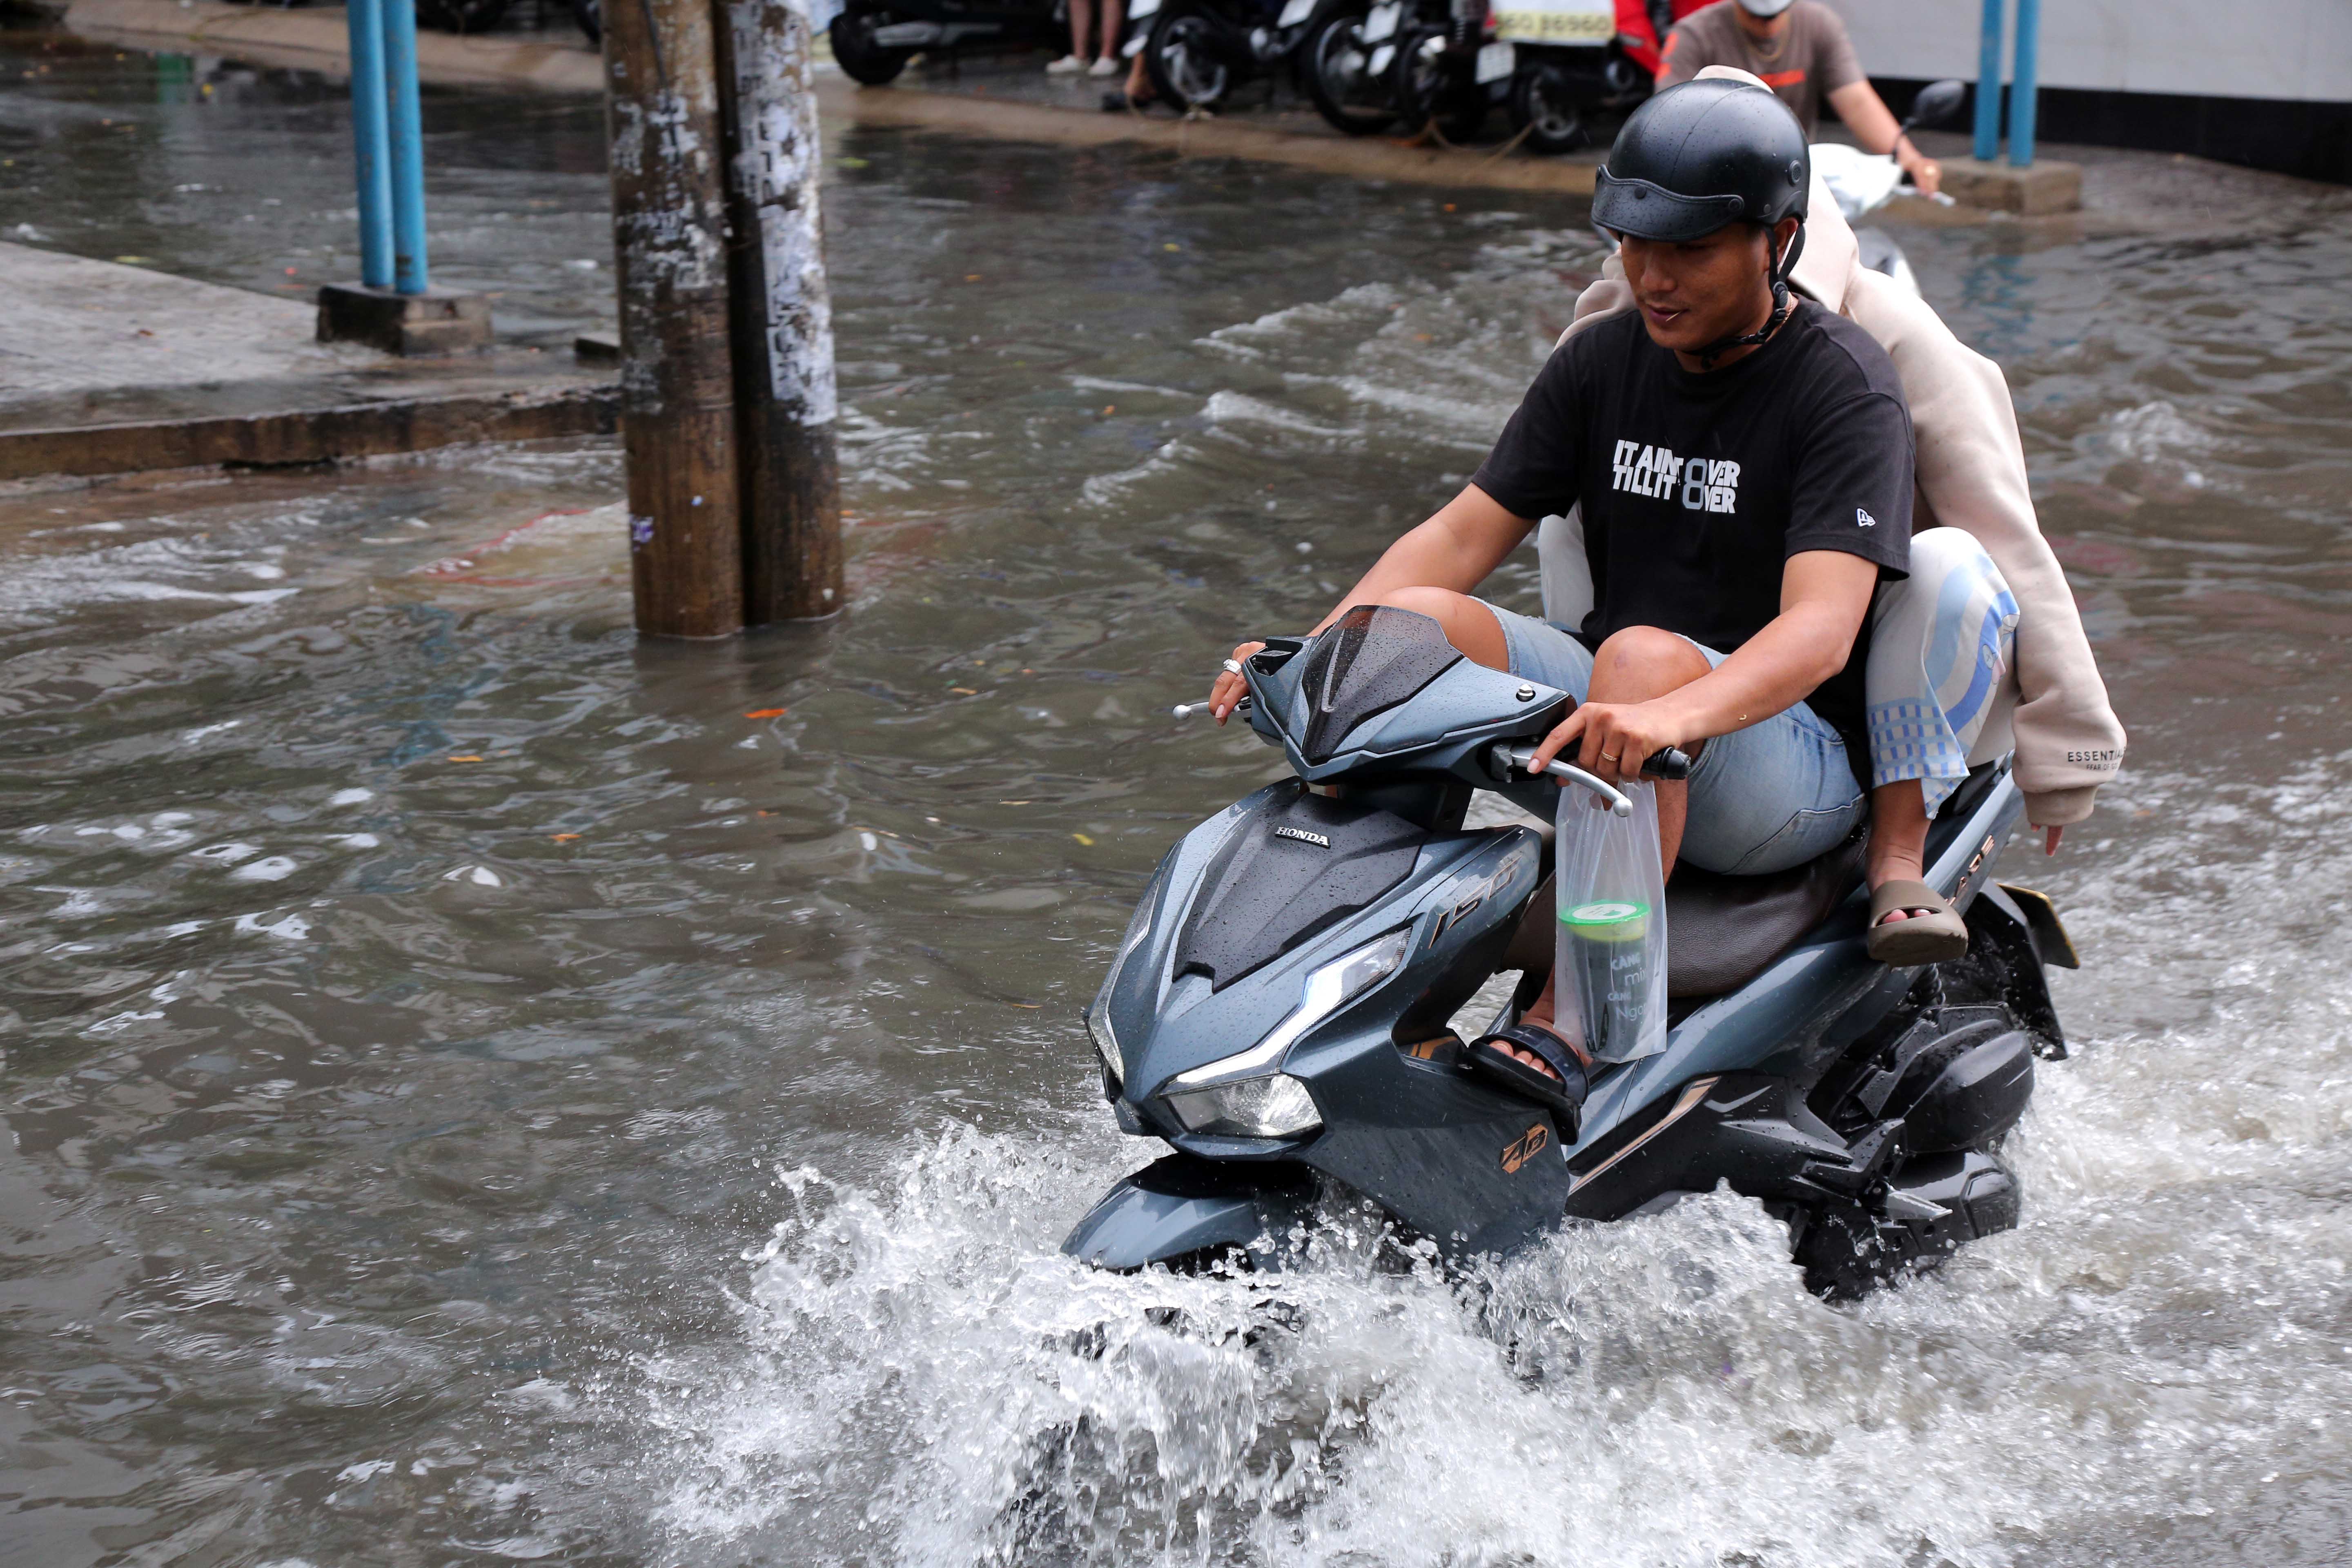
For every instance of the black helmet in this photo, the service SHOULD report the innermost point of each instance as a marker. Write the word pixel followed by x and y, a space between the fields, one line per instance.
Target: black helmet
pixel 1701 155
pixel 1704 155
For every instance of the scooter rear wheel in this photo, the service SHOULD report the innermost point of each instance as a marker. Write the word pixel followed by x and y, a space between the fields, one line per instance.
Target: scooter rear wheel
pixel 861 60
pixel 1336 64
pixel 1545 105
pixel 1430 89
pixel 1182 58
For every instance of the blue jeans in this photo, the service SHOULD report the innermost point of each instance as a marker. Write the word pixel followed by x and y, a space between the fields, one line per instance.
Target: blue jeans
pixel 1765 798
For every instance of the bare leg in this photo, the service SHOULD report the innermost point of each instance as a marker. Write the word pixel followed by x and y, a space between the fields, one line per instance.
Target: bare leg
pixel 1469 624
pixel 1898 839
pixel 1114 20
pixel 1082 17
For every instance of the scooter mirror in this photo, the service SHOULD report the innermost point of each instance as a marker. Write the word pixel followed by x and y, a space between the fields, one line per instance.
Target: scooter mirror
pixel 1939 104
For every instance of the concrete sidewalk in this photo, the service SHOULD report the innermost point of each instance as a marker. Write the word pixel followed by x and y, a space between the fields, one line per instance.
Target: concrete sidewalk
pixel 109 369
pixel 1006 98
pixel 317 38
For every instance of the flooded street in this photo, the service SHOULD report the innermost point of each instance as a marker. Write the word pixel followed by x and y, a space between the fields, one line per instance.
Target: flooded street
pixel 480 1088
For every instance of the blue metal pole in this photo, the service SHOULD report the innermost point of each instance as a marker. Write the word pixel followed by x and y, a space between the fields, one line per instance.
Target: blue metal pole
pixel 2022 95
pixel 1987 146
pixel 407 125
pixel 368 142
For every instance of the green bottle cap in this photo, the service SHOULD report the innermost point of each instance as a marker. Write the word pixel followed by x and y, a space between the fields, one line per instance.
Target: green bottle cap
pixel 1609 920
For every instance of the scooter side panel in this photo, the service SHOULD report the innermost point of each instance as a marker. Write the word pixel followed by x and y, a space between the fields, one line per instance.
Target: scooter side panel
pixel 1476 1169
pixel 1746 1128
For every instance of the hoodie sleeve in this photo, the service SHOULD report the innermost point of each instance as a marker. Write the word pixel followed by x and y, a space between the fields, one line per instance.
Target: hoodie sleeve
pixel 1971 475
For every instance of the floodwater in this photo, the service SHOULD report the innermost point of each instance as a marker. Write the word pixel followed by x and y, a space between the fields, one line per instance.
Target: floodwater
pixel 479 1088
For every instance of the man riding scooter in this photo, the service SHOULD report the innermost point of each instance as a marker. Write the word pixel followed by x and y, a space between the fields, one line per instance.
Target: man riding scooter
pixel 1741 462
pixel 1798 49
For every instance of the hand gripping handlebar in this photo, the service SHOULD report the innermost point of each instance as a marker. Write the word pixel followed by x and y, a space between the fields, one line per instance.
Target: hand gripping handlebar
pixel 1670 763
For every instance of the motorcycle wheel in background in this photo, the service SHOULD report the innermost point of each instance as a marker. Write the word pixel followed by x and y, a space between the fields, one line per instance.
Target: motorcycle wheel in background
pixel 1547 105
pixel 590 15
pixel 1182 58
pixel 1340 69
pixel 460 15
pixel 861 60
pixel 1427 87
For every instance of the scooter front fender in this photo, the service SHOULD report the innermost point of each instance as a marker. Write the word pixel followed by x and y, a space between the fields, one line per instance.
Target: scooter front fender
pixel 1184 1208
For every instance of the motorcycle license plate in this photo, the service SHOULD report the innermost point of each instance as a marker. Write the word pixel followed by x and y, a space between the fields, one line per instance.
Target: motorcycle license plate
pixel 1141 8
pixel 1298 11
pixel 1556 21
pixel 1497 61
pixel 1381 23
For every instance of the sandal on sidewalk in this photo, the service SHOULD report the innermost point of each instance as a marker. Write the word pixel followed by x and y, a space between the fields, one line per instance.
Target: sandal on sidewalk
pixel 1561 1089
pixel 1937 937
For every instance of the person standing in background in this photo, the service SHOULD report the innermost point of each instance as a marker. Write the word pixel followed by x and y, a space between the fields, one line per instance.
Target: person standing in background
pixel 1081 57
pixel 1800 50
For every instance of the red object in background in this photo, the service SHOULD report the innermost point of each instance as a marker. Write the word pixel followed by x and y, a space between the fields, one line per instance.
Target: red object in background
pixel 1637 27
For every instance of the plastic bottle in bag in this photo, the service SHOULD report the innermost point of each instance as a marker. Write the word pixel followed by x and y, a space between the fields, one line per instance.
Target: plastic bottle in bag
pixel 1610 946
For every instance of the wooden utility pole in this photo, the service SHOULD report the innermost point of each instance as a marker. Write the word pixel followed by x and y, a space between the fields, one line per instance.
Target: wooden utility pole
pixel 678 397
pixel 783 316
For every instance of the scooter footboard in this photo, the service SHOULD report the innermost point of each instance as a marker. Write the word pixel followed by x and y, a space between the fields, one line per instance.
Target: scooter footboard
pixel 1185 1207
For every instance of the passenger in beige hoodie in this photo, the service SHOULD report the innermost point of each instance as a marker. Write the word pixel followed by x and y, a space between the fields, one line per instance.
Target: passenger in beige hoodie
pixel 1971 474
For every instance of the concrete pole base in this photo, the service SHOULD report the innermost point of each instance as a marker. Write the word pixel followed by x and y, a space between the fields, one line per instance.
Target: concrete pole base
pixel 437 322
pixel 2049 186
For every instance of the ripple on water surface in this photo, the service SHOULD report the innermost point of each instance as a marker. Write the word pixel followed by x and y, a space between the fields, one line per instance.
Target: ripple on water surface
pixel 482 1087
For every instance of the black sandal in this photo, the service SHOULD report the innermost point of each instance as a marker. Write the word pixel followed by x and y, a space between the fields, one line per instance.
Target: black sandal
pixel 1562 1094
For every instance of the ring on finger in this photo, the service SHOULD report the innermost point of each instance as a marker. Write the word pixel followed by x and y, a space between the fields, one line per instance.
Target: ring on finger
pixel 1233 666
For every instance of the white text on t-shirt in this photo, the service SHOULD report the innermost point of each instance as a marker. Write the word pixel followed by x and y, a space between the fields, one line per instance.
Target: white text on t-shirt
pixel 1703 484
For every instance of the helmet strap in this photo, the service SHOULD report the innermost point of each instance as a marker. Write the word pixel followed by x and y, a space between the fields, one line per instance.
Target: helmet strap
pixel 1777 273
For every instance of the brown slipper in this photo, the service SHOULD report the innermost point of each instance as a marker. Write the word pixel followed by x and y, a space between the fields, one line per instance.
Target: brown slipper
pixel 1937 938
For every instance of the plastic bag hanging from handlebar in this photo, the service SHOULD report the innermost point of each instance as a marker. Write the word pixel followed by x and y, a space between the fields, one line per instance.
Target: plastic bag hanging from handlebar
pixel 1610 942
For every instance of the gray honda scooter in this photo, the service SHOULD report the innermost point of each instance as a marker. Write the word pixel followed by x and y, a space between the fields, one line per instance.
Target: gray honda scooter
pixel 1278 1010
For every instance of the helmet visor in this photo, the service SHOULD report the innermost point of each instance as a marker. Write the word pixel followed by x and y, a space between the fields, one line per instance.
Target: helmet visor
pixel 1648 211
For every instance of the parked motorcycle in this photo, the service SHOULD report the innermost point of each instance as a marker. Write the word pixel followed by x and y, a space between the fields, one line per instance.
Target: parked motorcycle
pixel 1197 51
pixel 1437 79
pixel 1277 1011
pixel 1553 65
pixel 1565 62
pixel 461 15
pixel 1346 63
pixel 874 39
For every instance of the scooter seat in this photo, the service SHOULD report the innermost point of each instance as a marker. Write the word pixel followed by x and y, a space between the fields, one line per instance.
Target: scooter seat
pixel 1721 931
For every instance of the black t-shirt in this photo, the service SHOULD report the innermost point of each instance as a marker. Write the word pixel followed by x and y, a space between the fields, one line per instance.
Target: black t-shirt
pixel 1697 488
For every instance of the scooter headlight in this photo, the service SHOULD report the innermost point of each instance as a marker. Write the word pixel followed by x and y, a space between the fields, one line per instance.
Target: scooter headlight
pixel 1241 1095
pixel 1274 1105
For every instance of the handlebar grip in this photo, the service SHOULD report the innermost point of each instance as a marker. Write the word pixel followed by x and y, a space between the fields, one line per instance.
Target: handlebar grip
pixel 1671 763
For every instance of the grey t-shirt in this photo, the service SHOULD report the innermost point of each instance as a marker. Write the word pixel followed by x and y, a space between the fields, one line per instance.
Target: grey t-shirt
pixel 1811 58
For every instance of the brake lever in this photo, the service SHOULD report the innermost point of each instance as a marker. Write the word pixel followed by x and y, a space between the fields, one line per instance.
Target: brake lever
pixel 1507 756
pixel 1186 709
